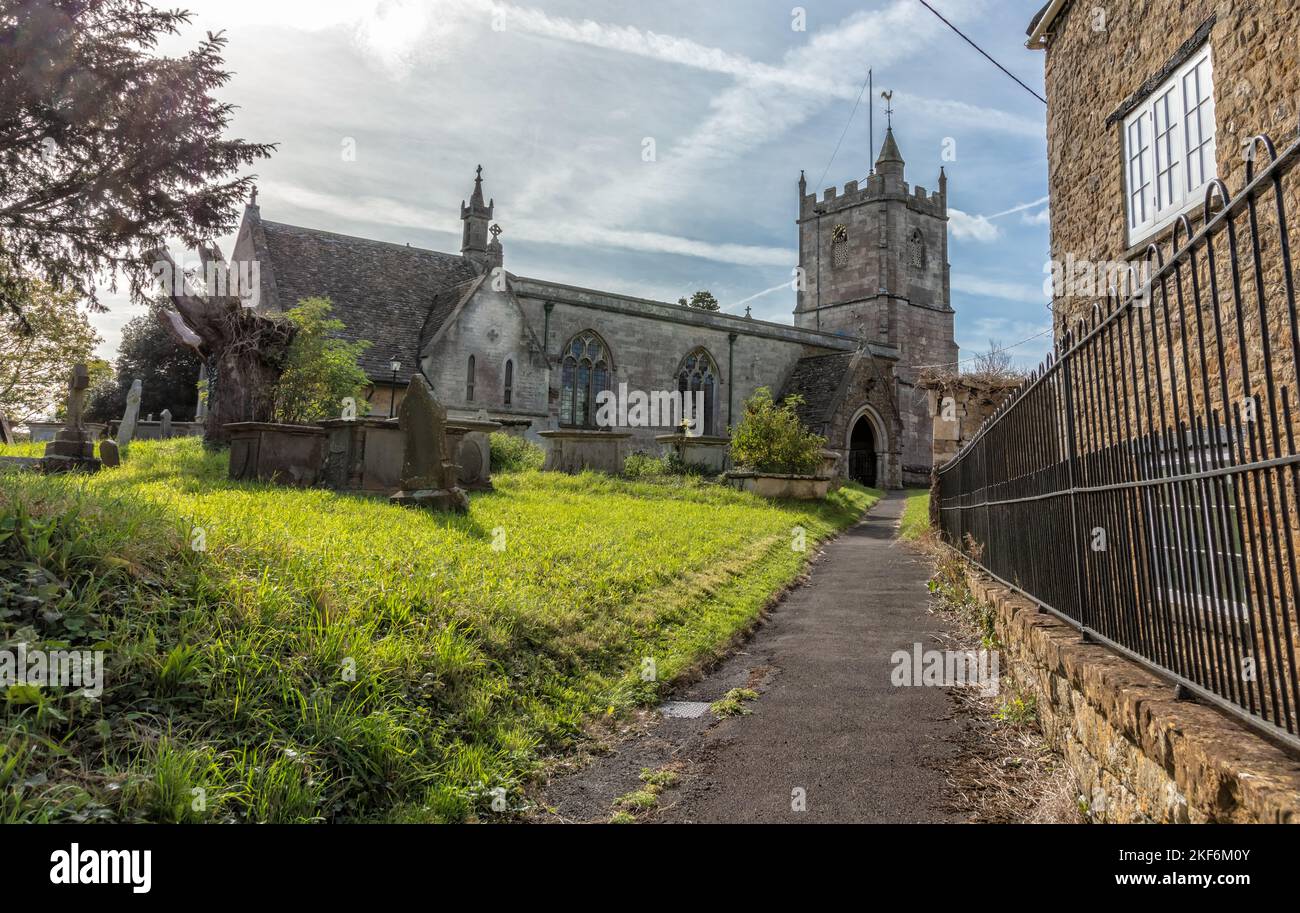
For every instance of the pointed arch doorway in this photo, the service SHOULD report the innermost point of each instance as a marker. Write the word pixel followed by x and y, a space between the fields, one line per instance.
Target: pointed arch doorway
pixel 865 446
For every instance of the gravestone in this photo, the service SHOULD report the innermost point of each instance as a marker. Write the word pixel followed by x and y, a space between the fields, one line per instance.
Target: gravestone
pixel 6 434
pixel 73 448
pixel 166 424
pixel 108 453
pixel 126 430
pixel 428 475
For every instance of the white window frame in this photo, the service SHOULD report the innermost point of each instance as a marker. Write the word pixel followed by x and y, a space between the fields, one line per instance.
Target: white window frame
pixel 1162 180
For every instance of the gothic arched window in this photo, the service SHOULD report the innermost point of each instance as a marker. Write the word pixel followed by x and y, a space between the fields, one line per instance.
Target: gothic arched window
pixel 698 372
pixel 510 380
pixel 469 381
pixel 584 373
pixel 916 249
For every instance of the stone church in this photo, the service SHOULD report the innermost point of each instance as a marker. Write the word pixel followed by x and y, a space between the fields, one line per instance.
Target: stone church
pixel 872 309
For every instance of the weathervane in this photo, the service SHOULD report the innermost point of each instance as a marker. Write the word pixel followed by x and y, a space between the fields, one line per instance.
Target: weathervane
pixel 889 111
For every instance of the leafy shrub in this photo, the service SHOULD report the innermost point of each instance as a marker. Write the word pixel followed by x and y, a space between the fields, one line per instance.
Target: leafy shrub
pixel 514 454
pixel 644 466
pixel 770 437
pixel 321 370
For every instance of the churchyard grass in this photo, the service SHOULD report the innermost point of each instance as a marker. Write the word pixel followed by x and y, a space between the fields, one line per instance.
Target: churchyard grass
pixel 916 515
pixel 283 655
pixel 23 449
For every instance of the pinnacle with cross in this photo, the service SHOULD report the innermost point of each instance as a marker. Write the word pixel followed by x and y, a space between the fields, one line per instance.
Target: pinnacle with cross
pixel 496 231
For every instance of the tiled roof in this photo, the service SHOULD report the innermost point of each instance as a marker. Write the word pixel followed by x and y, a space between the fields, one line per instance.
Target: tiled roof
pixel 818 379
pixel 389 294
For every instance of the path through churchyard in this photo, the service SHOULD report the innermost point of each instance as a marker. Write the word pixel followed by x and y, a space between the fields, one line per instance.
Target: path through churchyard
pixel 829 738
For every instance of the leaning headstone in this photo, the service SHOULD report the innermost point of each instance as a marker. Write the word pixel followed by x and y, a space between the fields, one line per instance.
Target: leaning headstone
pixel 166 424
pixel 6 433
pixel 73 447
pixel 428 476
pixel 108 453
pixel 126 430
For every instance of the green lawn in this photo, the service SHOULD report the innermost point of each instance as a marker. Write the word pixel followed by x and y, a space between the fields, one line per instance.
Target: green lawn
pixel 916 514
pixel 325 657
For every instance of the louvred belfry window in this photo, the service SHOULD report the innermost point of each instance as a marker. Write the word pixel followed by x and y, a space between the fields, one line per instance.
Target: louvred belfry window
pixel 840 246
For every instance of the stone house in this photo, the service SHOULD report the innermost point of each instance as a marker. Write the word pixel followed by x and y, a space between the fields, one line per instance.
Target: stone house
pixel 873 310
pixel 1148 102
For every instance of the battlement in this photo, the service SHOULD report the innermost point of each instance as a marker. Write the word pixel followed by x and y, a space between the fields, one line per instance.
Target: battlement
pixel 875 189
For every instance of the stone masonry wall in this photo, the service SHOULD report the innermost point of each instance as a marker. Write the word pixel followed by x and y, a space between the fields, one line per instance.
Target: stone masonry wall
pixel 885 287
pixel 1140 754
pixel 493 329
pixel 647 347
pixel 958 409
pixel 1090 72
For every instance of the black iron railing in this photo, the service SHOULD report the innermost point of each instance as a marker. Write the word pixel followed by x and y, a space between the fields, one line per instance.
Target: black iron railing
pixel 1143 484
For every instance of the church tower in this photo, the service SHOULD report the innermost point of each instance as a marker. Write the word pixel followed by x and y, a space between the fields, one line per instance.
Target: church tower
pixel 874 261
pixel 873 254
pixel 477 216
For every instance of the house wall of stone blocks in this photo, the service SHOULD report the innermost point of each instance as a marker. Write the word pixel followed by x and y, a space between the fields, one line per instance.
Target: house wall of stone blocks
pixel 1094 65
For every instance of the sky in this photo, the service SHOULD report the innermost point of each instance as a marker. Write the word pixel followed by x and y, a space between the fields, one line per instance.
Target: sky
pixel 645 148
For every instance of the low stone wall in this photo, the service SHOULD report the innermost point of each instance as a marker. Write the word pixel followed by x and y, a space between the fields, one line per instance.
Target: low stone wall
pixel 1140 754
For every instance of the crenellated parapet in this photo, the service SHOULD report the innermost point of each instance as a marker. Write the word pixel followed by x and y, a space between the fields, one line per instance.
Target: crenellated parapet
pixel 877 188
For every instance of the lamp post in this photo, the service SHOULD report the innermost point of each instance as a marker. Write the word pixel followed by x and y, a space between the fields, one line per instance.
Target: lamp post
pixel 392 393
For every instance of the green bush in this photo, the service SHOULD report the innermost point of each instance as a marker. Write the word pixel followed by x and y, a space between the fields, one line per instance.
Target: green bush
pixel 514 454
pixel 644 466
pixel 770 437
pixel 320 371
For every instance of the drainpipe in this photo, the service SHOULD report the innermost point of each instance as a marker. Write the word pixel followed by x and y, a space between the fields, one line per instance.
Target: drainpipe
pixel 546 333
pixel 731 373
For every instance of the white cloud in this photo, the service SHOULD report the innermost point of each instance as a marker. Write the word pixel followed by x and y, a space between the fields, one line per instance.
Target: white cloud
pixel 582 233
pixel 1020 208
pixel 997 288
pixel 950 113
pixel 966 227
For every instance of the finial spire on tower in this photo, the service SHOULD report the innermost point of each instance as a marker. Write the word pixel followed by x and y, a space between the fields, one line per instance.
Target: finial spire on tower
pixel 478 186
pixel 476 216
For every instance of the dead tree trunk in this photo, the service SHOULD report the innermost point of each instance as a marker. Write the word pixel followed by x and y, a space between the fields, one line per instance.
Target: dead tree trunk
pixel 247 347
